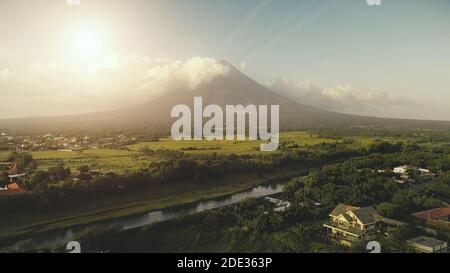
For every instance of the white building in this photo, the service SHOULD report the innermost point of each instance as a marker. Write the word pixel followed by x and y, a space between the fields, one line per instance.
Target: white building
pixel 280 205
pixel 402 169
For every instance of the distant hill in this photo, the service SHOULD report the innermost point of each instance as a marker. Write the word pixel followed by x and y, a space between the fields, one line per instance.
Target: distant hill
pixel 233 88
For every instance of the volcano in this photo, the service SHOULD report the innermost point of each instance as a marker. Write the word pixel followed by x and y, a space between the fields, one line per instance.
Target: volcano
pixel 233 88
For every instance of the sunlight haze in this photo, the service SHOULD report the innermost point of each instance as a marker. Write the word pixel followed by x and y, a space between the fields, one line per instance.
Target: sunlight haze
pixel 389 61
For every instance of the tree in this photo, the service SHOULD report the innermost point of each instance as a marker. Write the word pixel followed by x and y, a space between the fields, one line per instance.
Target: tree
pixel 388 209
pixel 439 188
pixel 411 148
pixel 83 169
pixel 414 174
pixel 405 200
pixel 58 172
pixel 25 161
pixel 38 179
pixel 4 180
pixel 385 147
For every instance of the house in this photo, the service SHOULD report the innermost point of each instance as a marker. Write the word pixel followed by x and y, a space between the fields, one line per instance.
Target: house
pixel 424 244
pixel 402 169
pixel 425 173
pixel 13 188
pixel 280 205
pixel 442 214
pixel 350 224
pixel 439 217
pixel 404 172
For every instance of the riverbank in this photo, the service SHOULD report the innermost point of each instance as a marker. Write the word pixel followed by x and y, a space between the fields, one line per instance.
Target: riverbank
pixel 157 197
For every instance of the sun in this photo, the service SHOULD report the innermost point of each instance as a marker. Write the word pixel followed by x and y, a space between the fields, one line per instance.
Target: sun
pixel 87 43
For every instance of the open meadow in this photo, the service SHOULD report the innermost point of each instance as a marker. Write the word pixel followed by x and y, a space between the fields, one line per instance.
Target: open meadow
pixel 131 157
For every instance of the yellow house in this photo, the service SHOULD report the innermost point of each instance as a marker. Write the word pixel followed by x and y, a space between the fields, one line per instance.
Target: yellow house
pixel 349 224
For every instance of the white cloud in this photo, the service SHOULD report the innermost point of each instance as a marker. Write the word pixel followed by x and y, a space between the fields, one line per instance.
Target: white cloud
pixel 115 82
pixel 177 75
pixel 341 98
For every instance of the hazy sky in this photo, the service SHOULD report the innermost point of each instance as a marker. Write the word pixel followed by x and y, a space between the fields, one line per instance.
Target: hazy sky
pixel 342 55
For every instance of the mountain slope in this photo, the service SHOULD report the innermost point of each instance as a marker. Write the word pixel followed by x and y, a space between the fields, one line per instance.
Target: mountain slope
pixel 233 88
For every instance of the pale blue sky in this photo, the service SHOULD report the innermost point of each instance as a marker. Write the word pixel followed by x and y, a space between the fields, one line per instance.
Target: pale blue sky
pixel 401 49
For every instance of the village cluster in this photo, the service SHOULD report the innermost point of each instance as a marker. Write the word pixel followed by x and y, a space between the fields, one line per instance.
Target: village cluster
pixel 62 142
pixel 412 175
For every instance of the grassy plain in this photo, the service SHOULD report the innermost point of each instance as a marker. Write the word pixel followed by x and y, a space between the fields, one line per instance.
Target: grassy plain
pixel 130 158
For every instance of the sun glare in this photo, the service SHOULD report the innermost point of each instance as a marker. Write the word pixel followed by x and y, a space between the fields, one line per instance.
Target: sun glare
pixel 87 43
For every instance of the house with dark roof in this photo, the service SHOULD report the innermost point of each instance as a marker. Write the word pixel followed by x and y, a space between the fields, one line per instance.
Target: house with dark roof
pixel 423 244
pixel 349 224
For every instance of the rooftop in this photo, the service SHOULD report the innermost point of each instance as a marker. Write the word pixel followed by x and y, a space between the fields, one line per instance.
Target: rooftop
pixel 12 188
pixel 365 215
pixel 342 209
pixel 434 213
pixel 426 241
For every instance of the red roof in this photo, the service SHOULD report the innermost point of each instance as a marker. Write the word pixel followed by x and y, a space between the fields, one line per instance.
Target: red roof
pixel 434 213
pixel 13 188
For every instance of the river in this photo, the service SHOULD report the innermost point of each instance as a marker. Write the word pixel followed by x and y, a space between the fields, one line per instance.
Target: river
pixel 61 237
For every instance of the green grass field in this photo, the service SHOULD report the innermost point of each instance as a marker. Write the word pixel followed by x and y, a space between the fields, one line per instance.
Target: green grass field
pixel 115 160
pixel 118 161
